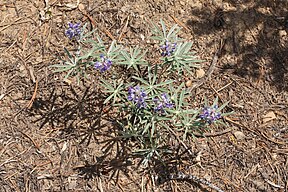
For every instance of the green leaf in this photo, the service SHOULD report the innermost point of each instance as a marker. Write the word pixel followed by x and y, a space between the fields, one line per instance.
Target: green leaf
pixel 68 53
pixel 224 105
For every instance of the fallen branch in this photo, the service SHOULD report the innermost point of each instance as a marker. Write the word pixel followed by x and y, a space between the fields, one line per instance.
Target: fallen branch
pixel 211 68
pixel 182 176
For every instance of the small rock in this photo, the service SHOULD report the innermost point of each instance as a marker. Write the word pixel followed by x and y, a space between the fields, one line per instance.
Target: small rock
pixel 188 83
pixel 93 145
pixel 81 7
pixel 239 135
pixel 23 71
pixel 67 81
pixel 274 156
pixel 200 73
pixel 142 37
pixel 182 3
pixel 72 183
pixel 282 33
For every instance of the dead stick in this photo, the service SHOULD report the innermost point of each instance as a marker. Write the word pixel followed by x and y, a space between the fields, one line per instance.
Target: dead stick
pixel 7 26
pixel 33 96
pixel 179 23
pixel 272 140
pixel 42 164
pixel 109 34
pixel 34 143
pixel 124 29
pixel 179 140
pixel 84 12
pixel 211 68
pixel 213 134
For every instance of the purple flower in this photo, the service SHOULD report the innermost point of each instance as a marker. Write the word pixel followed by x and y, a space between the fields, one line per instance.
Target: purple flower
pixel 73 30
pixel 137 96
pixel 168 48
pixel 104 64
pixel 162 102
pixel 210 114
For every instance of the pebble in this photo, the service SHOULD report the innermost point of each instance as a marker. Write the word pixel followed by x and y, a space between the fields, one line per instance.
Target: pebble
pixel 282 33
pixel 239 135
pixel 188 83
pixel 200 73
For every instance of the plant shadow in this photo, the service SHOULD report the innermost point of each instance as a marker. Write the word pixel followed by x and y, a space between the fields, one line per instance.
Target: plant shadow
pixel 254 32
pixel 81 115
pixel 64 106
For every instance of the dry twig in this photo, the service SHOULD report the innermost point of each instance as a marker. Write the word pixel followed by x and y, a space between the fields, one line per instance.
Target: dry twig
pixel 124 29
pixel 34 143
pixel 179 140
pixel 213 134
pixel 84 12
pixel 211 68
pixel 179 23
pixel 181 176
pixel 29 105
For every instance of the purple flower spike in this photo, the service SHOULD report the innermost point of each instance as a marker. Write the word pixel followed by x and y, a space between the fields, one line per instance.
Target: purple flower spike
pixel 210 114
pixel 162 103
pixel 73 30
pixel 168 48
pixel 137 96
pixel 104 64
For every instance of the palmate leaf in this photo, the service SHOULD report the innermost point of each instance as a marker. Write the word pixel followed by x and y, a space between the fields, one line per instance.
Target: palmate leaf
pixel 114 90
pixel 181 107
pixel 68 74
pixel 90 53
pixel 152 149
pixel 67 66
pixel 157 32
pixel 152 84
pixel 188 124
pixel 114 50
pixel 173 33
pixel 61 68
pixel 77 69
pixel 163 28
pixel 68 53
pixel 133 59
pixel 161 34
pixel 183 60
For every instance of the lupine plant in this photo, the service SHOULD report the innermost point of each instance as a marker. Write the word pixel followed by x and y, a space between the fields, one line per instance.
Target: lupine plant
pixel 149 97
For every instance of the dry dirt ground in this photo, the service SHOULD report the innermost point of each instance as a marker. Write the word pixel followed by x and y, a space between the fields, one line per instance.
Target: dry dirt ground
pixel 53 139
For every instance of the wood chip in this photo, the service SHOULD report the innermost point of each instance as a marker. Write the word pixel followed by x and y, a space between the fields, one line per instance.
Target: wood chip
pixel 2 96
pixel 269 116
pixel 63 148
